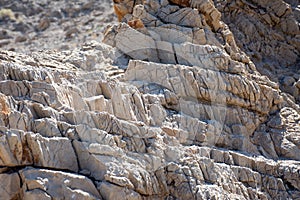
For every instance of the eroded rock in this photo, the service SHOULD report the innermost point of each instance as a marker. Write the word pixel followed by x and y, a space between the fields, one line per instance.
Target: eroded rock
pixel 48 184
pixel 169 108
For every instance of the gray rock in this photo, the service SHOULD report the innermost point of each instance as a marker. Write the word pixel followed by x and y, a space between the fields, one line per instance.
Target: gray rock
pixel 188 117
pixel 48 184
pixel 10 186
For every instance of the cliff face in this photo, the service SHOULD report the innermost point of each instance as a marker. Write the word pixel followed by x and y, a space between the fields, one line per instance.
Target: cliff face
pixel 172 105
pixel 269 33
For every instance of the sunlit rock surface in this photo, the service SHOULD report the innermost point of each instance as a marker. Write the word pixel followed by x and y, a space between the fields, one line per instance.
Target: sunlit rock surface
pixel 169 106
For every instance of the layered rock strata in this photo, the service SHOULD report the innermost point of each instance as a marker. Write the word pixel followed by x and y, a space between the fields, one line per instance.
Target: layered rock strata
pixel 269 32
pixel 168 108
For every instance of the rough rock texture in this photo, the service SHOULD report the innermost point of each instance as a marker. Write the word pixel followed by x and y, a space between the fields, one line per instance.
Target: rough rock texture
pixel 170 106
pixel 34 25
pixel 269 32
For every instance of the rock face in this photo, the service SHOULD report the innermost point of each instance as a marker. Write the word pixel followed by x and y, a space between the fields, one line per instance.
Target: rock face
pixel 269 33
pixel 169 106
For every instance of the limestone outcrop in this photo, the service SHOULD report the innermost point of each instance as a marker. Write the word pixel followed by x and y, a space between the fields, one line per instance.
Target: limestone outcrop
pixel 169 106
pixel 269 33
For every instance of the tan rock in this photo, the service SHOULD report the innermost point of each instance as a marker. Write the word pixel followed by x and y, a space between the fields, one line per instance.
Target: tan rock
pixel 188 117
pixel 52 152
pixel 108 191
pixel 10 186
pixel 47 184
pixel 43 24
pixel 19 149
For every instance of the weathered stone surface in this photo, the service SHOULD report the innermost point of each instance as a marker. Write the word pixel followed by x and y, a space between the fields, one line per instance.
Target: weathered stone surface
pixel 10 187
pixel 49 24
pixel 270 36
pixel 48 184
pixel 169 108
pixel 108 191
pixel 19 149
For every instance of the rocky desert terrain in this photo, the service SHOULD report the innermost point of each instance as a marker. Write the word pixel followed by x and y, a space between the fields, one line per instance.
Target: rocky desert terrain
pixel 181 99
